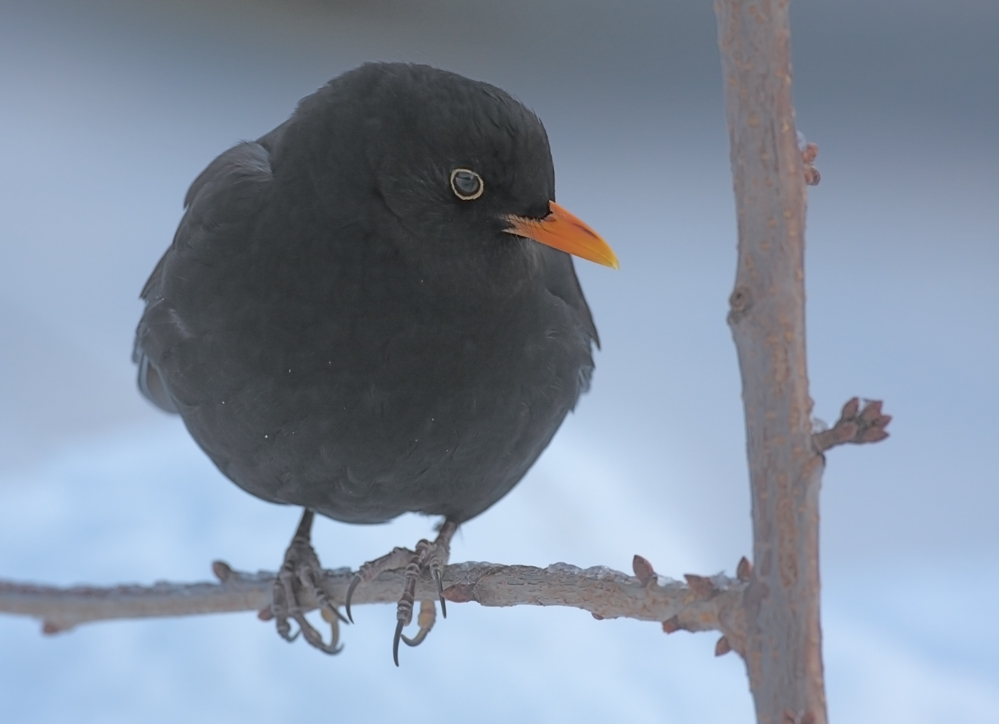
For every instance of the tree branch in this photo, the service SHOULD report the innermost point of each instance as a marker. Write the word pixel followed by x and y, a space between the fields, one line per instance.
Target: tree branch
pixel 771 165
pixel 706 604
pixel 783 643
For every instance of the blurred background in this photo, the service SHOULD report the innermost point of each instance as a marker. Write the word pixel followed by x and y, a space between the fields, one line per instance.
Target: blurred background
pixel 108 110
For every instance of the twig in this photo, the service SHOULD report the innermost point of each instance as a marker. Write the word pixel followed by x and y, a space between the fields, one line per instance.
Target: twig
pixel 854 426
pixel 603 592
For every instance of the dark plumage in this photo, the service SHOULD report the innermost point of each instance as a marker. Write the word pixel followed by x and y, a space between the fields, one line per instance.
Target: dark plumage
pixel 341 330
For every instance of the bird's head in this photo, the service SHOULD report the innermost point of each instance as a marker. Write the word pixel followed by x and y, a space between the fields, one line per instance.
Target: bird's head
pixel 458 163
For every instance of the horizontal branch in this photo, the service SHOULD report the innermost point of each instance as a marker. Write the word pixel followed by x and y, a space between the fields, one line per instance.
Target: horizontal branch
pixel 701 604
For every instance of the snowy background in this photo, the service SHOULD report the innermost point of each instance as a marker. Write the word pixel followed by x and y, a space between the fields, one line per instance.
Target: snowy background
pixel 109 109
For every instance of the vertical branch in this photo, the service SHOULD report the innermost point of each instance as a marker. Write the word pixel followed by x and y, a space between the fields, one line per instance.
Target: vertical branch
pixel 783 638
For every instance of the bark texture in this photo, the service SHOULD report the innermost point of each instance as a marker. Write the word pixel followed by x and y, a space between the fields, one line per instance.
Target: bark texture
pixel 782 646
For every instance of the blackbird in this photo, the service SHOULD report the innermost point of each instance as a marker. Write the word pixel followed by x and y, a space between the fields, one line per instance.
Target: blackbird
pixel 372 310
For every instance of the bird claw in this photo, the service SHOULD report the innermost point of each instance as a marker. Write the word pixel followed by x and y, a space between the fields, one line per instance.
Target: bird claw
pixel 430 557
pixel 284 631
pixel 395 641
pixel 439 580
pixel 426 619
pixel 315 639
pixel 300 575
pixel 397 558
pixel 350 594
pixel 404 616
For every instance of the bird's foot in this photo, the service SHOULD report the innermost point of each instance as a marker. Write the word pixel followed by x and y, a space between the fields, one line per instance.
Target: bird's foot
pixel 429 557
pixel 298 579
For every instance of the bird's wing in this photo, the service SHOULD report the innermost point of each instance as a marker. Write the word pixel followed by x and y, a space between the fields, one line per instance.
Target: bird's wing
pixel 221 204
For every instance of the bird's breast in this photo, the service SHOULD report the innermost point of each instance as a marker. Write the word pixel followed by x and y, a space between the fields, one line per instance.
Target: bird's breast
pixel 350 382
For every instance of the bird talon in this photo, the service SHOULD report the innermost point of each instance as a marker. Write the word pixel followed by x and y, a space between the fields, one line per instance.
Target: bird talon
pixel 428 614
pixel 439 580
pixel 299 576
pixel 315 639
pixel 428 557
pixel 416 640
pixel 354 583
pixel 426 620
pixel 284 631
pixel 397 558
pixel 331 614
pixel 395 641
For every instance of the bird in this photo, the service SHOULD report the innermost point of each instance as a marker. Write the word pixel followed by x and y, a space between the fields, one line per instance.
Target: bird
pixel 373 310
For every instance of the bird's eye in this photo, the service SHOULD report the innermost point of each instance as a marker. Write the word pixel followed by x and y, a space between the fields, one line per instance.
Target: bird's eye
pixel 467 185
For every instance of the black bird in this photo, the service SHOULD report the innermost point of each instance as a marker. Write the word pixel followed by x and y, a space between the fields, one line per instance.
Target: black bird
pixel 356 315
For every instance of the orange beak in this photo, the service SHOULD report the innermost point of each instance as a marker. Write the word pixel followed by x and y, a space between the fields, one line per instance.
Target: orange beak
pixel 561 230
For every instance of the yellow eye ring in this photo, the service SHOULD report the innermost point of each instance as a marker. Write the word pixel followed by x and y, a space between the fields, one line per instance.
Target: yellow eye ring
pixel 466 184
